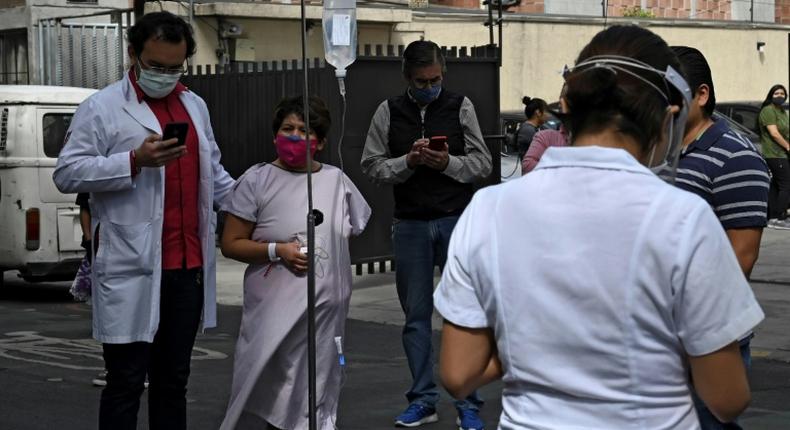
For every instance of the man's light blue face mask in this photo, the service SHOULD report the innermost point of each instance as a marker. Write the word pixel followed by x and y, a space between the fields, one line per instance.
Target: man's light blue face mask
pixel 663 159
pixel 156 82
pixel 426 95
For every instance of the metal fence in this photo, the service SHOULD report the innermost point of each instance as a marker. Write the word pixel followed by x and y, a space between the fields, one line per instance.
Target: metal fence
pixel 241 98
pixel 90 55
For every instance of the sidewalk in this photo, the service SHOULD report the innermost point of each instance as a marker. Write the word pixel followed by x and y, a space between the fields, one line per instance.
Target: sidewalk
pixel 375 300
pixel 378 374
pixel 771 283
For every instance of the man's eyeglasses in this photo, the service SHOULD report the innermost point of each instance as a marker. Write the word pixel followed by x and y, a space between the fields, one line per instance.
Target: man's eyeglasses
pixel 177 70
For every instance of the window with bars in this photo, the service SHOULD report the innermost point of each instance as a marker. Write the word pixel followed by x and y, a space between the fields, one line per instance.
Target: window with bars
pixel 13 58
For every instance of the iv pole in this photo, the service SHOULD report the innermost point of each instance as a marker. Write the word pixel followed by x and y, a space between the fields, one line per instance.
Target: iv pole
pixel 311 346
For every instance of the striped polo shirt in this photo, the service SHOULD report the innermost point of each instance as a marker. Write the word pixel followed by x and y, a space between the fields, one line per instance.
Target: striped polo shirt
pixel 726 170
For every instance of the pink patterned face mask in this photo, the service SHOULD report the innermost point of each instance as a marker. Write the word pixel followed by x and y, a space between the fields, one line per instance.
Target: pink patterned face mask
pixel 292 151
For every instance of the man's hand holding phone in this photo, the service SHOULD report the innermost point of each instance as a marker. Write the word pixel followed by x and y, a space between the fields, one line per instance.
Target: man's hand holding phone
pixel 414 157
pixel 157 151
pixel 436 154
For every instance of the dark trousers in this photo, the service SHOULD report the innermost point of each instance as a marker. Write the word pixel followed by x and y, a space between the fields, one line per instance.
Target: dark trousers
pixel 779 194
pixel 419 246
pixel 165 361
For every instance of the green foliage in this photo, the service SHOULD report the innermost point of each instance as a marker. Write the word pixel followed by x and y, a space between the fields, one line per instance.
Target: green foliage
pixel 637 12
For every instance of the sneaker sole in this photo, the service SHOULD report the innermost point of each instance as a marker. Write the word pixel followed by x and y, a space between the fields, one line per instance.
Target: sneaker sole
pixel 427 420
pixel 458 423
pixel 103 383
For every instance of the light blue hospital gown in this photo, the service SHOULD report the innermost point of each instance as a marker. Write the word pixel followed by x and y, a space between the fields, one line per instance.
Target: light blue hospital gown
pixel 270 367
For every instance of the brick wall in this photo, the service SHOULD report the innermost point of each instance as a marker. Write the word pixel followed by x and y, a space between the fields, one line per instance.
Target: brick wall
pixel 672 9
pixel 782 11
pixel 530 6
pixel 720 10
pixel 466 4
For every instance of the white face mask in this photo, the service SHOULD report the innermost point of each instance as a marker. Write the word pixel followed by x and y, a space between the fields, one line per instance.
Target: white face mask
pixel 156 85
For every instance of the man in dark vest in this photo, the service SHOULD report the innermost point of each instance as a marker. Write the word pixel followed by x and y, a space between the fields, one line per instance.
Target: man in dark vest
pixel 433 183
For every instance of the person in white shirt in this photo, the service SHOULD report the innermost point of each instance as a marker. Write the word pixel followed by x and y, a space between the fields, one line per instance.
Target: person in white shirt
pixel 594 312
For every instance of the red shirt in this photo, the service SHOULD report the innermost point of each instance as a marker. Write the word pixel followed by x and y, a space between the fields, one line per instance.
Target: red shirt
pixel 180 236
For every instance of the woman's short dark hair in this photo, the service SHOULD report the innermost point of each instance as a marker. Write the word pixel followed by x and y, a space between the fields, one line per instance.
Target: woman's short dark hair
pixel 697 72
pixel 421 53
pixel 769 98
pixel 533 105
pixel 320 120
pixel 599 97
pixel 160 26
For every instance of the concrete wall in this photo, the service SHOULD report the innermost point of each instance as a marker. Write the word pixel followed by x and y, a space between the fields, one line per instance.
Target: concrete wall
pixel 535 53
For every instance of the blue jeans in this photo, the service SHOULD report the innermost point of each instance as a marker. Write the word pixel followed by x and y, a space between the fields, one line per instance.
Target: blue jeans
pixel 419 246
pixel 706 419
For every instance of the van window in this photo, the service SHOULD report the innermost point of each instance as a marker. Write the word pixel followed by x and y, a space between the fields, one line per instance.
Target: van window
pixel 55 126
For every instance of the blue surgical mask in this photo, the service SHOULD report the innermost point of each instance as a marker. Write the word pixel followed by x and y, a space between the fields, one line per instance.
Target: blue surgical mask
pixel 426 95
pixel 155 84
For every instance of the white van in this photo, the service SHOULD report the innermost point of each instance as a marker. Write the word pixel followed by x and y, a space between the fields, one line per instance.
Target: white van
pixel 40 231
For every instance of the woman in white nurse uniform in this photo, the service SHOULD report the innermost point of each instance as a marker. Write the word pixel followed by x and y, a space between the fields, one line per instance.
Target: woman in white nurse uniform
pixel 591 286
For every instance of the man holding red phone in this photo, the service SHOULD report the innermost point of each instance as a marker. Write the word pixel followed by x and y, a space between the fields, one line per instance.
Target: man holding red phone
pixel 153 226
pixel 427 143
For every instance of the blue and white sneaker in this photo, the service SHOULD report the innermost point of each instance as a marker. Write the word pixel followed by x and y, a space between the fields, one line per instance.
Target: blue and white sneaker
pixel 468 419
pixel 416 415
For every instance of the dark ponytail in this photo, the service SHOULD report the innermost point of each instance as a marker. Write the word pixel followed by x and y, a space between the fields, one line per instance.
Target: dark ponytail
pixel 600 97
pixel 533 105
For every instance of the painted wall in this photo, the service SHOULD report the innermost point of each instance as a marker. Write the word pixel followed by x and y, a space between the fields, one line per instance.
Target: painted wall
pixel 535 53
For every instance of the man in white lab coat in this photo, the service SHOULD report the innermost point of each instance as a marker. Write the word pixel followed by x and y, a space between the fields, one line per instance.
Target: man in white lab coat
pixel 153 222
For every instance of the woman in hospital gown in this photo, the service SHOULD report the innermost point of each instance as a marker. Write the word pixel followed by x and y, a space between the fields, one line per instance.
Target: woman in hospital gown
pixel 269 206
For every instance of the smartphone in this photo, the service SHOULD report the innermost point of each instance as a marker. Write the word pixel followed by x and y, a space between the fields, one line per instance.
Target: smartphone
pixel 437 143
pixel 176 130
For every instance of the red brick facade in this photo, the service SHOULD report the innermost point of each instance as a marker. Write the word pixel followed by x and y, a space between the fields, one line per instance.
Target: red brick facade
pixel 782 11
pixel 720 10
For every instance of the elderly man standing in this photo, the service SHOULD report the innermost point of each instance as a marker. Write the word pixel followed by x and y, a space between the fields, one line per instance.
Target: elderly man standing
pixel 153 222
pixel 433 183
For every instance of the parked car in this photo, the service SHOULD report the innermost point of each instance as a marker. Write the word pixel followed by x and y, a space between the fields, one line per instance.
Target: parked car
pixel 746 113
pixel 753 136
pixel 40 231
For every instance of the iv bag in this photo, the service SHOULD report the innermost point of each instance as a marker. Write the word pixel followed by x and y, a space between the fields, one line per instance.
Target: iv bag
pixel 340 34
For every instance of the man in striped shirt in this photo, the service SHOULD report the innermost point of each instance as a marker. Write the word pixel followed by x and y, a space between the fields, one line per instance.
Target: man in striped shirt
pixel 726 170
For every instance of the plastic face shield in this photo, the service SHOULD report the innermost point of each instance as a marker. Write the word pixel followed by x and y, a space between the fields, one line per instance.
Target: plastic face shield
pixel 663 158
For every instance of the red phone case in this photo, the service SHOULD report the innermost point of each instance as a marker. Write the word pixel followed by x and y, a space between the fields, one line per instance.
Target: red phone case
pixel 437 143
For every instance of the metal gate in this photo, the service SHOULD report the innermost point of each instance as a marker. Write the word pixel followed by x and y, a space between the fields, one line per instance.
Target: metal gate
pixel 82 55
pixel 241 98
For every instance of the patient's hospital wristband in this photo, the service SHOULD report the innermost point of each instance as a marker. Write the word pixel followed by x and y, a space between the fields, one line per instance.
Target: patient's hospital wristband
pixel 273 252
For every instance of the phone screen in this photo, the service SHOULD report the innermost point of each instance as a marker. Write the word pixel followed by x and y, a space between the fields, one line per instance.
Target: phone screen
pixel 437 143
pixel 176 130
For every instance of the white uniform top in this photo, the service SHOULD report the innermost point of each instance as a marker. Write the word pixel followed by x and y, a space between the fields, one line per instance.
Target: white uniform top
pixel 597 278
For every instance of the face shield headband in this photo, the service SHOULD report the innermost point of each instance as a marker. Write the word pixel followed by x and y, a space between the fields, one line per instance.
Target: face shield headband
pixel 664 156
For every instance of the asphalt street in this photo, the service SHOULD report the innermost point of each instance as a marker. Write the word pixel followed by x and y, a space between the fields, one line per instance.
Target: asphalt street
pixel 48 359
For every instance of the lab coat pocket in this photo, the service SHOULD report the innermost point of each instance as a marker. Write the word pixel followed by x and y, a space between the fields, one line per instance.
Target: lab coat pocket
pixel 128 250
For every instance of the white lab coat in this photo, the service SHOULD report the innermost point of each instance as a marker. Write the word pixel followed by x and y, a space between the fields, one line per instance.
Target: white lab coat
pixel 129 212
